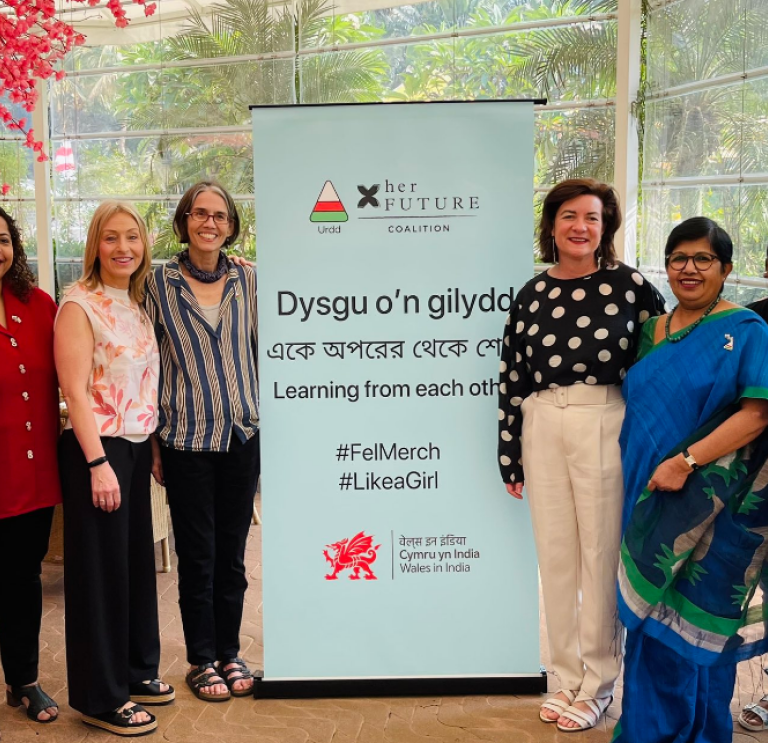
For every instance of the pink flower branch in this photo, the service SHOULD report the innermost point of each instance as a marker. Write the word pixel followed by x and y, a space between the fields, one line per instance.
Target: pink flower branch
pixel 33 44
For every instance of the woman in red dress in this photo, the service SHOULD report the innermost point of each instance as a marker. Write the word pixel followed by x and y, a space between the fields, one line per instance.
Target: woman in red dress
pixel 29 429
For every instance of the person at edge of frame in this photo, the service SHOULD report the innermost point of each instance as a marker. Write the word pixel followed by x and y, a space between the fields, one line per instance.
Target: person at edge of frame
pixel 754 716
pixel 29 432
pixel 694 450
pixel 569 340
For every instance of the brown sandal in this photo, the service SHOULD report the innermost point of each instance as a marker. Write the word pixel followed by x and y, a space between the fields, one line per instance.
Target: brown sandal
pixel 243 673
pixel 198 680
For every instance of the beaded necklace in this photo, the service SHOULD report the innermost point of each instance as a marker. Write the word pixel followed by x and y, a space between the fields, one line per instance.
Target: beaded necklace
pixel 206 277
pixel 677 337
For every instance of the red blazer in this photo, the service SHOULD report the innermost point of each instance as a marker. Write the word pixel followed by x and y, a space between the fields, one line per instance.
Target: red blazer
pixel 29 406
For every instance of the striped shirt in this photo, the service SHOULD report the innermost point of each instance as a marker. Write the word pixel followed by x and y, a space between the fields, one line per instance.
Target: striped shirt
pixel 208 378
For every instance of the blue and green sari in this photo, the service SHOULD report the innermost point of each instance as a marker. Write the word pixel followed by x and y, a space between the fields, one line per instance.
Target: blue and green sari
pixel 692 561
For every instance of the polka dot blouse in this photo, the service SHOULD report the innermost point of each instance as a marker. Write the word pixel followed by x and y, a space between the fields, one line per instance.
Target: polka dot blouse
pixel 568 331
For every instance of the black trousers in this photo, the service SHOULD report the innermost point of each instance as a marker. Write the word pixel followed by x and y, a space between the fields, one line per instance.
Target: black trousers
pixel 111 626
pixel 211 499
pixel 24 541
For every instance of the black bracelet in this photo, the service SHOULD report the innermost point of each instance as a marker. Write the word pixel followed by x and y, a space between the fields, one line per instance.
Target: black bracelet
pixel 96 462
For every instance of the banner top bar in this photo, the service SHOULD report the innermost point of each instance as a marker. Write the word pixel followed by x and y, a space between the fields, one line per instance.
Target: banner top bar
pixel 535 101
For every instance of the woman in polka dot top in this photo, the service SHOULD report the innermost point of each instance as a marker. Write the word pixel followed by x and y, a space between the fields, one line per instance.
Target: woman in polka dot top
pixel 568 342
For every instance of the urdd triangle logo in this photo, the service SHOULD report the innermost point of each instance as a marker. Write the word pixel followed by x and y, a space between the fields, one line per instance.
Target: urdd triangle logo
pixel 328 207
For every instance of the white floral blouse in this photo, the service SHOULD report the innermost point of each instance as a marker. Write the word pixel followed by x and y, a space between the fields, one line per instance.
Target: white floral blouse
pixel 126 362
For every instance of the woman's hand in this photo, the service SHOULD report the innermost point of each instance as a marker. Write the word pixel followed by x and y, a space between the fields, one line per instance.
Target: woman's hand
pixel 238 260
pixel 105 488
pixel 157 462
pixel 515 490
pixel 157 471
pixel 670 475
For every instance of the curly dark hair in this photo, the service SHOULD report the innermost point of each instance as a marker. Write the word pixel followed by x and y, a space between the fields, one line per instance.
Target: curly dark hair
pixel 19 277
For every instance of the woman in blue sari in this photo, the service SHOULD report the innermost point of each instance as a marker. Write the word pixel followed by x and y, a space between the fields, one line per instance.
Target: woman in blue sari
pixel 696 509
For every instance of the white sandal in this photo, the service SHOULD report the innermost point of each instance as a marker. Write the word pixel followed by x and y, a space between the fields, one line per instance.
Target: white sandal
pixel 759 711
pixel 553 704
pixel 585 720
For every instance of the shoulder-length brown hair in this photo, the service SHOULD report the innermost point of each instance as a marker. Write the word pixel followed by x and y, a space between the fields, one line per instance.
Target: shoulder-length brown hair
pixel 91 277
pixel 19 277
pixel 188 201
pixel 571 189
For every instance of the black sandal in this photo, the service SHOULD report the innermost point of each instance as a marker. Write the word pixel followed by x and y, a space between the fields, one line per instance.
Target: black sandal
pixel 118 721
pixel 151 693
pixel 198 680
pixel 243 673
pixel 39 701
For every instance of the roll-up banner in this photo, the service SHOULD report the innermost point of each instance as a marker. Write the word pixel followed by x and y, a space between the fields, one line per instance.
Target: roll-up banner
pixel 391 240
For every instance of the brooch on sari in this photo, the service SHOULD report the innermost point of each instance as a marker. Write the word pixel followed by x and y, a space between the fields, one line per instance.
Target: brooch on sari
pixel 729 345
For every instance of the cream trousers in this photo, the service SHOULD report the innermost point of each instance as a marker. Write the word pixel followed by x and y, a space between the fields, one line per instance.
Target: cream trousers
pixel 572 461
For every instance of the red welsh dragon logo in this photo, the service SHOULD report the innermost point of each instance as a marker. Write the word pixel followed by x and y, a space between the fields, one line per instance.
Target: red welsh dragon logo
pixel 356 554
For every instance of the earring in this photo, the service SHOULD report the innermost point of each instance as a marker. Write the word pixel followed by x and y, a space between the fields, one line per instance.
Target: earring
pixel 554 250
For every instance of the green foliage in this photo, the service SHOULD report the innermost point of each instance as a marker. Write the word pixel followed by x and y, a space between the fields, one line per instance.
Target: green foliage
pixel 570 62
pixel 15 165
pixel 716 131
pixel 220 94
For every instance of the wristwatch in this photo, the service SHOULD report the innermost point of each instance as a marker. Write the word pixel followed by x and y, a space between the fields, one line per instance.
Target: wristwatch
pixel 690 460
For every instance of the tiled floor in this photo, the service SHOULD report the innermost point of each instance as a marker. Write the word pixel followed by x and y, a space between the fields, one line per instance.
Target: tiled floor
pixel 417 720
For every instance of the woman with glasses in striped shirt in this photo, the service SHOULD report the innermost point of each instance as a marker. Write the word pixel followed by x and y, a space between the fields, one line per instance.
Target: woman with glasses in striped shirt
pixel 206 448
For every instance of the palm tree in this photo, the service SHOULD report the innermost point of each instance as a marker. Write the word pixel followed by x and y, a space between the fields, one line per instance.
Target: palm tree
pixel 574 62
pixel 220 94
pixel 707 132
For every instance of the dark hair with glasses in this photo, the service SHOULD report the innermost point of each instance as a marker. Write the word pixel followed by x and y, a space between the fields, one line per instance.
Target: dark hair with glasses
pixel 186 204
pixel 694 229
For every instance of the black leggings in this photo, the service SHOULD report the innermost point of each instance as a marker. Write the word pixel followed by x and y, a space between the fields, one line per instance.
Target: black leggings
pixel 25 541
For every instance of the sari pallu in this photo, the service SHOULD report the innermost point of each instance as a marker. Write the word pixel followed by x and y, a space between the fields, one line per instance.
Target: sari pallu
pixel 691 561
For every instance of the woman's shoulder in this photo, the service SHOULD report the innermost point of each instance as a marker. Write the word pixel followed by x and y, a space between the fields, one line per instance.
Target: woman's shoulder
pixel 621 272
pixel 744 315
pixel 536 284
pixel 647 339
pixel 41 300
pixel 75 292
pixel 245 271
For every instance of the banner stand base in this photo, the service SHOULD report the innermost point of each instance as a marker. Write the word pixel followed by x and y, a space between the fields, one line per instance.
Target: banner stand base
pixel 399 687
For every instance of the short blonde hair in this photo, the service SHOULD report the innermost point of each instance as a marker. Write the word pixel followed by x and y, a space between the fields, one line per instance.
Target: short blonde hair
pixel 91 276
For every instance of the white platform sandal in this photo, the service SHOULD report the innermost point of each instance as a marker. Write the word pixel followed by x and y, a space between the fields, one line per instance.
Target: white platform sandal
pixel 759 711
pixel 585 719
pixel 553 704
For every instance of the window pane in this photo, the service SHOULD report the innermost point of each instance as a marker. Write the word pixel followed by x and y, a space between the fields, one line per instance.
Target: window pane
pixel 574 144
pixel 742 211
pixel 692 40
pixel 16 167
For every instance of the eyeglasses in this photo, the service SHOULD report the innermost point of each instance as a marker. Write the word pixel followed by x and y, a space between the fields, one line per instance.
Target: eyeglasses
pixel 701 261
pixel 200 215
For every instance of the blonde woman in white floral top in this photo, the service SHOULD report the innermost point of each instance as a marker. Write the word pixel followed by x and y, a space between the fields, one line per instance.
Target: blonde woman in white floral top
pixel 108 365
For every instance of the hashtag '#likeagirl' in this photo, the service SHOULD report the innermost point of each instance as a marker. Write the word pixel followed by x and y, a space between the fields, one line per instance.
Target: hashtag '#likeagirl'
pixel 345 481
pixel 342 452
